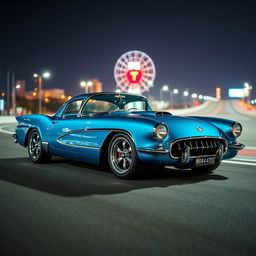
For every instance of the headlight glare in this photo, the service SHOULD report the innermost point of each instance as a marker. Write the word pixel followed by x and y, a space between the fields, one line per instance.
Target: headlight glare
pixel 236 129
pixel 160 131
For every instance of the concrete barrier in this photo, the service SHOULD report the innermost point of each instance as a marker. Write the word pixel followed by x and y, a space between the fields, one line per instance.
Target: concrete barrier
pixel 7 119
pixel 186 111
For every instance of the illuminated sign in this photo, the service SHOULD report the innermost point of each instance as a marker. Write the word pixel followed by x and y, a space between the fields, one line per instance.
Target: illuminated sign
pixel 1 104
pixel 134 76
pixel 133 65
pixel 218 93
pixel 236 92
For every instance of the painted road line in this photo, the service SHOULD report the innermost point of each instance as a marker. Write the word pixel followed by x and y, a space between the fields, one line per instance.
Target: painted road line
pixel 239 163
pixel 5 131
pixel 250 147
pixel 244 160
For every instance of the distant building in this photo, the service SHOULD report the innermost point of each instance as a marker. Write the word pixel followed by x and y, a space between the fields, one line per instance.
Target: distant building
pixel 20 86
pixel 96 86
pixel 50 93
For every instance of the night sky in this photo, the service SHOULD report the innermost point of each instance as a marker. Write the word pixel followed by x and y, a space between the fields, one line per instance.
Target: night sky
pixel 194 44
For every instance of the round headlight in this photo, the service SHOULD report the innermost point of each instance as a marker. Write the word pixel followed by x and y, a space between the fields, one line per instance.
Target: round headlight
pixel 236 129
pixel 160 131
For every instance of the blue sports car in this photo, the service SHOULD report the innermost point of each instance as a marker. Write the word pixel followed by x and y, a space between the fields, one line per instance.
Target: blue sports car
pixel 123 131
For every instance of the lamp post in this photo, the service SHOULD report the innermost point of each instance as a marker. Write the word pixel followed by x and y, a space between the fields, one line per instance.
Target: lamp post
pixel 86 85
pixel 40 81
pixel 185 95
pixel 248 89
pixel 175 92
pixel 164 88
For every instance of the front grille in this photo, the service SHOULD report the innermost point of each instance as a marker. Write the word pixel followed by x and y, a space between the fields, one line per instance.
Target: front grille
pixel 203 146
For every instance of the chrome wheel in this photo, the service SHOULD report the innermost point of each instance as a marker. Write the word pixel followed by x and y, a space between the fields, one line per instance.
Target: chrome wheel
pixel 121 155
pixel 34 146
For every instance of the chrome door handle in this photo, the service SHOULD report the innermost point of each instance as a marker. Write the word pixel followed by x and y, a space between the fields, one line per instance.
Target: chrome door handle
pixel 54 122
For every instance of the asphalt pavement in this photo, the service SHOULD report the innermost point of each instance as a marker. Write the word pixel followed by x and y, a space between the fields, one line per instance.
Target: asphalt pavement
pixel 71 208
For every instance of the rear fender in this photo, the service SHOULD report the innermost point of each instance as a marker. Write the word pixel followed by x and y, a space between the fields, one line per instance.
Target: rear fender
pixel 28 122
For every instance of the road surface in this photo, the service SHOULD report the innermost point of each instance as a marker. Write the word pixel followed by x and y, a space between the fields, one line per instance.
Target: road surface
pixel 72 208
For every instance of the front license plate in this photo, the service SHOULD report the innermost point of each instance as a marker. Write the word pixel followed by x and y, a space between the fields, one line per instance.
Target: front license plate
pixel 205 160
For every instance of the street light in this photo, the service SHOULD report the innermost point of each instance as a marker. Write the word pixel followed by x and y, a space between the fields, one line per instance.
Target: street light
pixel 175 91
pixel 164 88
pixel 86 85
pixel 248 89
pixel 185 93
pixel 40 82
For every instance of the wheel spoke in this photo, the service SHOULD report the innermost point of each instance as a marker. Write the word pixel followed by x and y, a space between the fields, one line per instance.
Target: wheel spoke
pixel 123 144
pixel 124 163
pixel 119 150
pixel 121 155
pixel 129 160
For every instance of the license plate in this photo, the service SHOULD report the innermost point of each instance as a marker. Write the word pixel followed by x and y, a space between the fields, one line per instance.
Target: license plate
pixel 205 160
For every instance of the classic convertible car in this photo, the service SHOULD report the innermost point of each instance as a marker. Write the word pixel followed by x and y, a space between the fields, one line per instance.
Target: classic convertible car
pixel 123 131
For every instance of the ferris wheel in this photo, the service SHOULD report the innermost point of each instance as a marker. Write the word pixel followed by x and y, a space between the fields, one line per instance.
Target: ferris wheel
pixel 134 72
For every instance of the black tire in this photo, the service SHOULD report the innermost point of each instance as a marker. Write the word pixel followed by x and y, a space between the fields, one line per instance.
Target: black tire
pixel 206 168
pixel 36 152
pixel 122 157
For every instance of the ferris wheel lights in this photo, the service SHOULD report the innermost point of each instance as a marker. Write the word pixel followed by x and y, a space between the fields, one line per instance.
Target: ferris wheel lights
pixel 134 72
pixel 133 65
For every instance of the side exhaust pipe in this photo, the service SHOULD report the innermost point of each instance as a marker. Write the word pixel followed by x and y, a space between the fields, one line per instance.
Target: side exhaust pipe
pixel 15 138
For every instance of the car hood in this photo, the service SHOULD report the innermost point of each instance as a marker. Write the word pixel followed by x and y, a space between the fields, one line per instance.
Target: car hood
pixel 179 126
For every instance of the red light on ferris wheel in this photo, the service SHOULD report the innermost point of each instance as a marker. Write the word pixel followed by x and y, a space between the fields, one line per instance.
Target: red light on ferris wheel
pixel 134 76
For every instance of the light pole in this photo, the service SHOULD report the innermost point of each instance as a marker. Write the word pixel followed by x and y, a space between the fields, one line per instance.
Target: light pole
pixel 175 92
pixel 185 94
pixel 40 80
pixel 86 85
pixel 164 88
pixel 248 89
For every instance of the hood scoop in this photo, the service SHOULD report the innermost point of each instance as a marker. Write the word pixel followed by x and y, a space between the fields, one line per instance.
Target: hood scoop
pixel 163 113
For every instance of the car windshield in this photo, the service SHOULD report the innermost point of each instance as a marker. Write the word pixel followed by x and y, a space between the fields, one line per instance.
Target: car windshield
pixel 105 103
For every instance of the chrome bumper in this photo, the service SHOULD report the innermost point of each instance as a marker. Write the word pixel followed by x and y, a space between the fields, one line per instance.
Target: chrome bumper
pixel 153 151
pixel 236 146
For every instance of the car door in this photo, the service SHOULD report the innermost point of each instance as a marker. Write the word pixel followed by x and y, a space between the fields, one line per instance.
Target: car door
pixel 66 130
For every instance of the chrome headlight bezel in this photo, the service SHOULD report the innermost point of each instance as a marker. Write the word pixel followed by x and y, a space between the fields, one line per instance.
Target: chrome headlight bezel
pixel 160 131
pixel 236 129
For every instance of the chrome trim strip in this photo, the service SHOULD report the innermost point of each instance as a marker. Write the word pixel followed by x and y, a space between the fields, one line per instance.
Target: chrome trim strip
pixel 77 146
pixel 153 151
pixel 67 133
pixel 199 137
pixel 84 130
